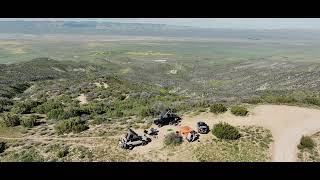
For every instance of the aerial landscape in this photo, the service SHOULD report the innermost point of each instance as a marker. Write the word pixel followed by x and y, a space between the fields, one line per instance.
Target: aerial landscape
pixel 91 91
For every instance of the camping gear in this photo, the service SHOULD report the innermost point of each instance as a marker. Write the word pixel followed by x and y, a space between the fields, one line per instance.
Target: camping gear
pixel 189 133
pixel 202 127
pixel 132 139
pixel 151 132
pixel 192 136
pixel 185 130
pixel 167 118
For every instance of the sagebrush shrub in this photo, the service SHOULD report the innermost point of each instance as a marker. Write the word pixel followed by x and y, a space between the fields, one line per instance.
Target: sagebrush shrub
pixel 218 108
pixel 24 107
pixel 306 142
pixel 11 120
pixel 253 100
pixel 2 147
pixel 173 139
pixel 29 122
pixel 312 100
pixel 239 110
pixel 225 131
pixel 74 125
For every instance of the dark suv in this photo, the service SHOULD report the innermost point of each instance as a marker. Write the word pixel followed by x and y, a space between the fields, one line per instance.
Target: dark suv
pixel 167 118
pixel 202 127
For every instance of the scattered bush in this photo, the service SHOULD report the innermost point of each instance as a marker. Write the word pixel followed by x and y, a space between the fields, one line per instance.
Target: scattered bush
pixel 99 119
pixel 30 155
pixel 253 100
pixel 56 114
pixel 306 142
pixel 2 147
pixel 29 122
pixel 5 104
pixel 24 107
pixel 312 100
pixel 145 112
pixel 218 108
pixel 239 111
pixel 63 153
pixel 74 125
pixel 225 131
pixel 173 139
pixel 96 107
pixel 10 120
pixel 48 106
pixel 279 99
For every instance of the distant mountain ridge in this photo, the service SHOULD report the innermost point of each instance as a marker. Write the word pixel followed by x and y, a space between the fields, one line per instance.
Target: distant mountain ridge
pixel 142 29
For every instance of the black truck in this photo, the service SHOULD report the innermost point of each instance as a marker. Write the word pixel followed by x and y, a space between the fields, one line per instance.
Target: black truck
pixel 167 118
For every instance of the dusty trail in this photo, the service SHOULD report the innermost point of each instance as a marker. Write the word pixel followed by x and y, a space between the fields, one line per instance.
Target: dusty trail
pixel 52 138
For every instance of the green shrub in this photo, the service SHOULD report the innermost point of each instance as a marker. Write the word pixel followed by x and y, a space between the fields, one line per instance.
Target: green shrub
pixel 63 153
pixel 5 104
pixel 29 122
pixel 10 120
pixel 312 100
pixel 30 155
pixel 96 107
pixel 2 147
pixel 2 108
pixel 56 114
pixel 279 99
pixel 100 119
pixel 253 100
pixel 225 131
pixel 74 125
pixel 218 108
pixel 306 142
pixel 173 139
pixel 48 106
pixel 239 110
pixel 145 112
pixel 202 104
pixel 24 107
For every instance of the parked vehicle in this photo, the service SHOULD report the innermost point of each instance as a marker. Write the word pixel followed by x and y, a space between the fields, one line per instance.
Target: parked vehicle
pixel 202 127
pixel 132 139
pixel 167 118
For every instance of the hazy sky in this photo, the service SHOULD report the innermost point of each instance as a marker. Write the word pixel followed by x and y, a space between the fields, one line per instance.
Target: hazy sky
pixel 243 23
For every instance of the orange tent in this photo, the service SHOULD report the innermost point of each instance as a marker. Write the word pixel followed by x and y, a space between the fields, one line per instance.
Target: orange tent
pixel 185 130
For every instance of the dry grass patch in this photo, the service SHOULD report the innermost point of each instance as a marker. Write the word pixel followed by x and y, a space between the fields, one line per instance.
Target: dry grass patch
pixel 252 146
